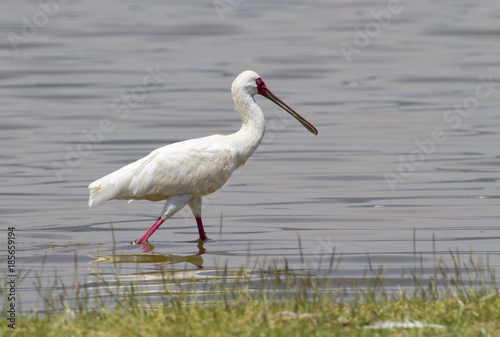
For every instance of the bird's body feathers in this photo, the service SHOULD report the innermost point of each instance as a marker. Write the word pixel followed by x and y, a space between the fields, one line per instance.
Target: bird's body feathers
pixel 197 167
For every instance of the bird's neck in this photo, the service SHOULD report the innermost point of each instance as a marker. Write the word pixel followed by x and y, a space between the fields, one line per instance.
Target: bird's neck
pixel 253 124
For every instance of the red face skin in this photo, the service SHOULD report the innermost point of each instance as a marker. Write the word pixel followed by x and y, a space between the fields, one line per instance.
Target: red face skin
pixel 264 91
pixel 261 87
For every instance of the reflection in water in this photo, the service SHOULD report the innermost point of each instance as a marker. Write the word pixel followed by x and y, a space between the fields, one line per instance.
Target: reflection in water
pixel 157 258
pixel 157 282
pixel 163 280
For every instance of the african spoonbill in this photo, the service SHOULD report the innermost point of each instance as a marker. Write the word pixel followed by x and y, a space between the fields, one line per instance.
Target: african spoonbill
pixel 182 173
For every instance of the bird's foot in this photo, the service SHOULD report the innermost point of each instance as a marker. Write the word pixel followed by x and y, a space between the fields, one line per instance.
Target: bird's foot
pixel 146 246
pixel 199 240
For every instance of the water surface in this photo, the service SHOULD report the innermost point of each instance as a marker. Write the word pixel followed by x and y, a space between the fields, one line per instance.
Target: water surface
pixel 406 106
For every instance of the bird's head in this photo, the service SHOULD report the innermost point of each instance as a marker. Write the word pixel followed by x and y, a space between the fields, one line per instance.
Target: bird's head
pixel 246 82
pixel 250 83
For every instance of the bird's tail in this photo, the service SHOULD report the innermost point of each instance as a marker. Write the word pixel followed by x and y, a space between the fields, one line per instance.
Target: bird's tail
pixel 96 197
pixel 102 190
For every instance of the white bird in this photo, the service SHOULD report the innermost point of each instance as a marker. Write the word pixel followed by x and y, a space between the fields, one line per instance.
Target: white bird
pixel 182 173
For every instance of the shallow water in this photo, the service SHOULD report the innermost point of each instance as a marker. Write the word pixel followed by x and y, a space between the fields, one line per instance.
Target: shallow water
pixel 406 106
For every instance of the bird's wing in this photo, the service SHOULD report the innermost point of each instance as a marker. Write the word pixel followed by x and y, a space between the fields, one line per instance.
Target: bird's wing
pixel 198 167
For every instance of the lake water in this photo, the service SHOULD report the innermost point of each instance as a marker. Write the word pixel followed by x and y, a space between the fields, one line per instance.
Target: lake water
pixel 405 168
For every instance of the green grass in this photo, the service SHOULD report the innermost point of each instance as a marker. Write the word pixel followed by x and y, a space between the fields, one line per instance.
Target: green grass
pixel 459 301
pixel 470 316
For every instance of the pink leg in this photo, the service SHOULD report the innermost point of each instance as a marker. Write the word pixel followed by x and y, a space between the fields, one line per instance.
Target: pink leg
pixel 201 230
pixel 150 231
pixel 195 205
pixel 172 206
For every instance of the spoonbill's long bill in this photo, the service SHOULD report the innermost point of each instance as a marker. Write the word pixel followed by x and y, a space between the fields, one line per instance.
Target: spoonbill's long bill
pixel 183 172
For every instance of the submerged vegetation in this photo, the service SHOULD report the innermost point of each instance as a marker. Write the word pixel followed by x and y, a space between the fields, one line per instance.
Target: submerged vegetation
pixel 461 300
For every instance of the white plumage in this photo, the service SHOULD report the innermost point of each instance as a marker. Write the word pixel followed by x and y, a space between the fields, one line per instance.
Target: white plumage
pixel 196 167
pixel 183 172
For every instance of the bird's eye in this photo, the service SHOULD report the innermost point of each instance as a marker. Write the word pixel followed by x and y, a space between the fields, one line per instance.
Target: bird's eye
pixel 259 81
